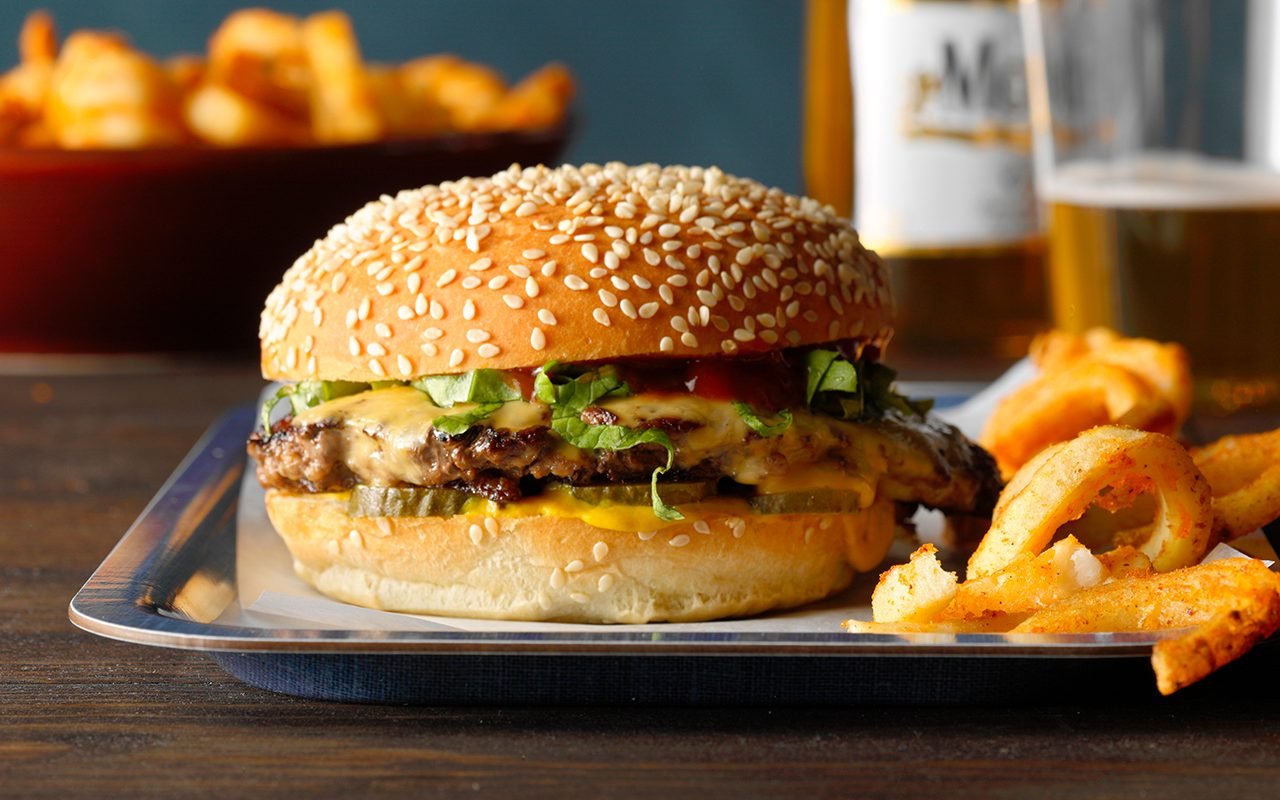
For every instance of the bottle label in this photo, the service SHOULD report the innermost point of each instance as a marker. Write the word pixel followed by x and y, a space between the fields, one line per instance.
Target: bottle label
pixel 941 136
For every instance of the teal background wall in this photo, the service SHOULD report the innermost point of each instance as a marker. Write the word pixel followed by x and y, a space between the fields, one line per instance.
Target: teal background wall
pixel 673 81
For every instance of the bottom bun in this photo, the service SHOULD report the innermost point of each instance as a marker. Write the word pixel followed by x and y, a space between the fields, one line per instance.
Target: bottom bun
pixel 561 568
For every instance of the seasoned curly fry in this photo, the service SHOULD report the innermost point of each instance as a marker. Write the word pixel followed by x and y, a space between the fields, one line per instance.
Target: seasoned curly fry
pixel 1095 379
pixel 1062 482
pixel 1028 583
pixel 1244 476
pixel 343 106
pixel 38 39
pixel 1234 603
pixel 537 101
pixel 915 591
pixel 467 92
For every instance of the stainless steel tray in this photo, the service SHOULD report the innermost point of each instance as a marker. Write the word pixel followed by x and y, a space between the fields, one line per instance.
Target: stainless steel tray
pixel 173 576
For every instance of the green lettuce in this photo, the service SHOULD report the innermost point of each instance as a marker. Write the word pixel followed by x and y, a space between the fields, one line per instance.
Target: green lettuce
pixel 307 394
pixel 570 394
pixel 758 425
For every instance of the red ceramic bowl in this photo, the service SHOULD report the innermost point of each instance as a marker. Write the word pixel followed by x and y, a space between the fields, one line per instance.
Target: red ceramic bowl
pixel 175 250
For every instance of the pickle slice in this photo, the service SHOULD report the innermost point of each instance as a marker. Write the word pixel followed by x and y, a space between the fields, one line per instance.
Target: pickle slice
pixel 818 501
pixel 416 501
pixel 639 494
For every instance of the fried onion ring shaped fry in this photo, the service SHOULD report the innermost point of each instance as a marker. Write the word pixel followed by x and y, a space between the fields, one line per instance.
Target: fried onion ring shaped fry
pixel 1108 465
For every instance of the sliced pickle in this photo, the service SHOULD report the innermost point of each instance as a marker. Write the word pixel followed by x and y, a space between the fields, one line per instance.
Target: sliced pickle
pixel 639 494
pixel 417 501
pixel 818 501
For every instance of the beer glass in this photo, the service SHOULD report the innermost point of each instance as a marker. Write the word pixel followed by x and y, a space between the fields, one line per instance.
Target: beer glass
pixel 1156 139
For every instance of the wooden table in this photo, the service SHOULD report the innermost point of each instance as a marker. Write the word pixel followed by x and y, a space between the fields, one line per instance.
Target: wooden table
pixel 80 715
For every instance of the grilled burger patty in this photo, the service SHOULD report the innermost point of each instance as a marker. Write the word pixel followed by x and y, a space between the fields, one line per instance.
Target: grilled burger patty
pixel 384 437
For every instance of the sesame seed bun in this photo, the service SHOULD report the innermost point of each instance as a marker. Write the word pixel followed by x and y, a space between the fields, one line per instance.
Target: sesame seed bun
pixel 576 263
pixel 557 568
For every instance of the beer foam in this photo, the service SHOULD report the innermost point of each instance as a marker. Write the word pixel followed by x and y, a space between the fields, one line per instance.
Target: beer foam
pixel 1164 181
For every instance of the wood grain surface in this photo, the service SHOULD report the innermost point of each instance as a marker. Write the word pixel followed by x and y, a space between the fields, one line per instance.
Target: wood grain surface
pixel 81 716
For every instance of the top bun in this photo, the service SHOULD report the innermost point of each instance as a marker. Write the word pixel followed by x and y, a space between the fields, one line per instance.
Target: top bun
pixel 576 263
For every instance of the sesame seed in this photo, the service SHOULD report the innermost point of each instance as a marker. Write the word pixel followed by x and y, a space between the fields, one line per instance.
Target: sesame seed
pixel 476 533
pixel 667 344
pixel 375 366
pixel 575 565
pixel 526 209
pixel 674 263
pixel 537 339
pixel 590 252
pixel 558 578
pixel 620 248
pixel 672 246
pixel 646 535
pixel 488 350
pixel 437 310
pixel 601 316
pixel 383 330
pixel 546 317
pixel 491 525
pixel 498 281
pixel 519 270
pixel 604 583
pixel 559 238
pixel 405 365
pixel 414 283
pixel 628 308
pixel 652 258
pixel 339 280
pixel 549 269
pixel 291 358
pixel 469 310
pixel 579 597
pixel 477 335
pixel 679 540
pixel 353 345
pixel 480 265
pixel 471 282
pixel 375 349
pixel 455 358
pixel 668 230
pixel 597 272
pixel 600 551
pixel 575 283
pixel 664 291
pixel 531 287
pixel 446 277
pixel 513 300
pixel 431 334
pixel 607 297
pixel 534 254
pixel 611 260
pixel 430 349
pixel 688 340
pixel 679 324
pixel 677 280
pixel 702 527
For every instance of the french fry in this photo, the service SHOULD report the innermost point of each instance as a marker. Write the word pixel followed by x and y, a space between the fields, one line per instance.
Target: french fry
pixel 403 112
pixel 260 54
pixel 105 94
pixel 343 106
pixel 1028 584
pixel 1233 603
pixel 913 592
pixel 38 39
pixel 1244 477
pixel 222 117
pixel 467 92
pixel 537 101
pixel 185 72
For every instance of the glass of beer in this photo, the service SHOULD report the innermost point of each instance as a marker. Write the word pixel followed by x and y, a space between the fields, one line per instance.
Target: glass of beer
pixel 1156 128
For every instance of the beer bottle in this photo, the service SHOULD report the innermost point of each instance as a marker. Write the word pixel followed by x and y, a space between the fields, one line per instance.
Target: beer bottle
pixel 941 171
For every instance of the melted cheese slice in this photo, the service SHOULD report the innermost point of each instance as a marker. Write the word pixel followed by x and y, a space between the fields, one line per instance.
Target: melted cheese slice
pixel 386 426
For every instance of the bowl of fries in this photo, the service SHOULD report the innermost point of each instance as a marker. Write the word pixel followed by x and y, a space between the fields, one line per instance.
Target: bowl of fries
pixel 145 205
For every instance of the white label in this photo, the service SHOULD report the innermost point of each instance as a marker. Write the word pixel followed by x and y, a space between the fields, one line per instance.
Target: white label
pixel 942 145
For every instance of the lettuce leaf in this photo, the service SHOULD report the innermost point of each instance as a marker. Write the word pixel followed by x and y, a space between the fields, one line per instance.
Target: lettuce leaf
pixel 475 386
pixel 758 425
pixel 569 395
pixel 307 394
pixel 863 390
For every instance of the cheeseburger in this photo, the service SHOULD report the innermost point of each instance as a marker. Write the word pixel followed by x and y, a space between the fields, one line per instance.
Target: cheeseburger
pixel 594 394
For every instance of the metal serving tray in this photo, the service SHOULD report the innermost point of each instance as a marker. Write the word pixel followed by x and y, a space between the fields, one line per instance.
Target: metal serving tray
pixel 172 578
